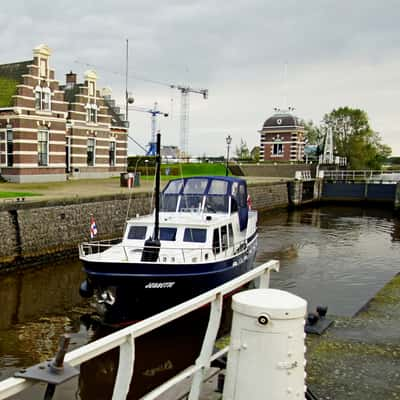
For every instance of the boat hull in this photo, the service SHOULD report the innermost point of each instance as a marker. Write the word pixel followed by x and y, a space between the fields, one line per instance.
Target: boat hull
pixel 128 292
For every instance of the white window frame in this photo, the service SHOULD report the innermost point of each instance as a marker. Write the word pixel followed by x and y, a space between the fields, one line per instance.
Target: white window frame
pixel 42 98
pixel 91 110
pixel 279 149
pixel 8 130
pixel 46 131
pixel 114 159
pixel 94 152
pixel 43 68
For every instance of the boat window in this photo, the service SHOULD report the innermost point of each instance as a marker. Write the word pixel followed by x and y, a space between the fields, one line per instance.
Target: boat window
pixel 216 204
pixel 168 234
pixel 242 196
pixel 190 202
pixel 224 237
pixel 216 245
pixel 137 232
pixel 218 187
pixel 195 235
pixel 174 187
pixel 168 202
pixel 230 230
pixel 195 186
pixel 234 205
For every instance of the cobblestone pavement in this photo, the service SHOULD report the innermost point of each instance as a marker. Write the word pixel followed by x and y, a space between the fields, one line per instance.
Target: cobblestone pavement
pixel 359 358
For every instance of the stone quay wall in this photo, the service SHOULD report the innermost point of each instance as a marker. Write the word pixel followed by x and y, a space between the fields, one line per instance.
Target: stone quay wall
pixel 268 196
pixel 33 230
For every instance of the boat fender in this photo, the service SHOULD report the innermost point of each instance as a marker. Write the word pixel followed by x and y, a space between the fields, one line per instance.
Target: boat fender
pixel 86 289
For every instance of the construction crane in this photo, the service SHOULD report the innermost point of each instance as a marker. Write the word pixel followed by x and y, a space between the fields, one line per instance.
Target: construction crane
pixel 185 90
pixel 184 127
pixel 154 112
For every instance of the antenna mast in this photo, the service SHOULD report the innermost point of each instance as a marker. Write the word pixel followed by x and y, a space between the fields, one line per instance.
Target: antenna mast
pixel 126 81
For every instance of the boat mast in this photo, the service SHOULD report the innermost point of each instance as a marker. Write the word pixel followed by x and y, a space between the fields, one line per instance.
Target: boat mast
pixel 157 193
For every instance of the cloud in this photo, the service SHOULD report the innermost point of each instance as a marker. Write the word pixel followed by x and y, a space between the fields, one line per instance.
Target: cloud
pixel 337 52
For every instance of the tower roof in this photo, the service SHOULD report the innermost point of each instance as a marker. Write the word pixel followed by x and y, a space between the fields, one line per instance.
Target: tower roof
pixel 282 119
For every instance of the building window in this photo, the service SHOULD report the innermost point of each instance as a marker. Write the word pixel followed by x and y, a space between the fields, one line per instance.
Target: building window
pixel 92 88
pixel 43 147
pixel 111 152
pixel 91 113
pixel 278 149
pixel 43 68
pixel 42 98
pixel 10 147
pixel 91 152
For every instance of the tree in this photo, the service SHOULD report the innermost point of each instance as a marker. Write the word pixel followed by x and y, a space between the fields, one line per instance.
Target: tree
pixel 255 153
pixel 242 151
pixel 312 133
pixel 354 139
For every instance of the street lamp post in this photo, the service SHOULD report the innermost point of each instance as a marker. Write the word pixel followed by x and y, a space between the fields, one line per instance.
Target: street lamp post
pixel 228 140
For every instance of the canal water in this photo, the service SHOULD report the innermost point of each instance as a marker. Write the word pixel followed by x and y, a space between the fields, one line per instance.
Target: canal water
pixel 334 256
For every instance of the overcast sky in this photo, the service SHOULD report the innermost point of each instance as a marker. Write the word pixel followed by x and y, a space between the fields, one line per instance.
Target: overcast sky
pixel 338 53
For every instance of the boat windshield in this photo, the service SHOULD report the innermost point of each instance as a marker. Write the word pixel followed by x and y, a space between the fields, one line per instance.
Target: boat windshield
pixel 168 202
pixel 195 186
pixel 192 193
pixel 217 204
pixel 191 202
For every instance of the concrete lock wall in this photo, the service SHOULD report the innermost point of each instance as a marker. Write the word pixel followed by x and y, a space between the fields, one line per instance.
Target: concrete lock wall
pixel 43 228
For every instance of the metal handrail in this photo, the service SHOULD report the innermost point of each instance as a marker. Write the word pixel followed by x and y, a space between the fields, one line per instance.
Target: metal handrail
pixel 354 175
pixel 125 340
pixel 86 248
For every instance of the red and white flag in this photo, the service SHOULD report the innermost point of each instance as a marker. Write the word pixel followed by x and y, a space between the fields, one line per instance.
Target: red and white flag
pixel 93 227
pixel 249 202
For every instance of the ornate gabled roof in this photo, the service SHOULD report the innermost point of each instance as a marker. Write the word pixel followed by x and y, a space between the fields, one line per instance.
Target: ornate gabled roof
pixel 10 77
pixel 282 119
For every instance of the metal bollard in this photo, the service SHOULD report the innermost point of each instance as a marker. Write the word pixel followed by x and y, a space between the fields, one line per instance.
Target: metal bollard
pixel 266 354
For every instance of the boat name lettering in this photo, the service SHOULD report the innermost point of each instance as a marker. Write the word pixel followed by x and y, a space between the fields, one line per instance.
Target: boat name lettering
pixel 159 285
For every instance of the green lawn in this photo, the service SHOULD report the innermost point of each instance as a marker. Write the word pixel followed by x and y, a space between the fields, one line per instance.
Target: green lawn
pixel 190 169
pixel 4 195
pixel 203 169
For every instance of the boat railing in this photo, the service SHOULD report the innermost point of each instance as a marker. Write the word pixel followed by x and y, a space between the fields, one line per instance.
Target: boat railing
pixel 125 339
pixel 167 254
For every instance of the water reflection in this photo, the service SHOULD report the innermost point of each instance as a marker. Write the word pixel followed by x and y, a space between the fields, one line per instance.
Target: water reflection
pixel 28 294
pixel 159 355
pixel 339 256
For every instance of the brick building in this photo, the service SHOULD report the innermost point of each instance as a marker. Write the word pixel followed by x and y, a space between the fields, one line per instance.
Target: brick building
pixel 49 131
pixel 282 138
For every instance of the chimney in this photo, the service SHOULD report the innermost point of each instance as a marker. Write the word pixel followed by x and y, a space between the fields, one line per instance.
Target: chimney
pixel 70 79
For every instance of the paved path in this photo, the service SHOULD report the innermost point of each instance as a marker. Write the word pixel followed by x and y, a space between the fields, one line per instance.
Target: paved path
pixel 359 358
pixel 87 188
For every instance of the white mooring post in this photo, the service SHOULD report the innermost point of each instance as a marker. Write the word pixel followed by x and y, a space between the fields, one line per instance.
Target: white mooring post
pixel 266 355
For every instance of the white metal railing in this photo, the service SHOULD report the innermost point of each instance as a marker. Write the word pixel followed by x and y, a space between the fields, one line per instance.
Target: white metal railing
pixel 303 175
pixel 125 340
pixel 361 175
pixel 166 254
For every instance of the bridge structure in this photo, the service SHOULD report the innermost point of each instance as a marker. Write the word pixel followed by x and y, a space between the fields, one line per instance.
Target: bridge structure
pixel 351 186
